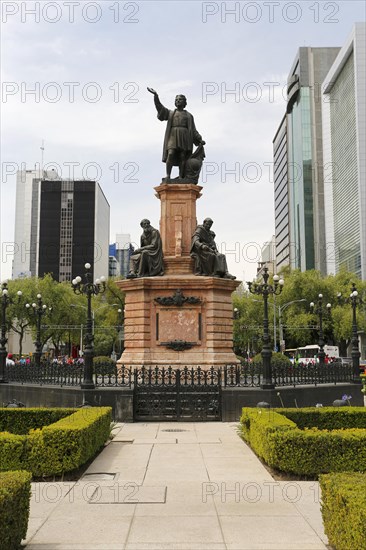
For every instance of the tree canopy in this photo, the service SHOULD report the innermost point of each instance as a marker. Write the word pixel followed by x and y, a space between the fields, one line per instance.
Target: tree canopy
pixel 65 317
pixel 300 326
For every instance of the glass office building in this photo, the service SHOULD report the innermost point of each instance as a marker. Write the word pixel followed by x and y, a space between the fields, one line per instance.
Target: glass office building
pixel 344 128
pixel 305 158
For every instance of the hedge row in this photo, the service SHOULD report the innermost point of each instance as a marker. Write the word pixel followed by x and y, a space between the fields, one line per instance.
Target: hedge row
pixel 15 491
pixel 282 445
pixel 327 418
pixel 20 421
pixel 344 510
pixel 60 447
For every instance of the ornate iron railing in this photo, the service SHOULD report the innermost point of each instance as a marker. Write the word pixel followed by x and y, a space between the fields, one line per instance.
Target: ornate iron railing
pixel 244 375
pixel 187 394
pixel 111 376
pixel 160 377
pixel 47 373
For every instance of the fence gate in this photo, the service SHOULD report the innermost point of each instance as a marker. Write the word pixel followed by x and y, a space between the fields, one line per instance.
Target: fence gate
pixel 189 394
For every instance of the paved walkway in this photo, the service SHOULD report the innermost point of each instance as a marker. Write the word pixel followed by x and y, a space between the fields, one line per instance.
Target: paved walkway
pixel 179 486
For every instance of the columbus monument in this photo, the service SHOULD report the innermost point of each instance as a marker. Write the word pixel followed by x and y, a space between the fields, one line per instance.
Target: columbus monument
pixel 178 309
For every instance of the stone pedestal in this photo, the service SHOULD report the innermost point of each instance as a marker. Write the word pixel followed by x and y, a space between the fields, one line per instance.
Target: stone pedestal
pixel 198 332
pixel 177 224
pixel 178 319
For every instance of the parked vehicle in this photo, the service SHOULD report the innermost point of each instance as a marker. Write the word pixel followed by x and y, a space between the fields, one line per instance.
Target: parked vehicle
pixel 309 354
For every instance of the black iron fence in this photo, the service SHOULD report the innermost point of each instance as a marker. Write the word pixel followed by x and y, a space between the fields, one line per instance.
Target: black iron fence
pixel 187 394
pixel 244 375
pixel 65 374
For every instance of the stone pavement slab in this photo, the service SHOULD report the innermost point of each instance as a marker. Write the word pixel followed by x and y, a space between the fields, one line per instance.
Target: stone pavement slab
pixel 198 489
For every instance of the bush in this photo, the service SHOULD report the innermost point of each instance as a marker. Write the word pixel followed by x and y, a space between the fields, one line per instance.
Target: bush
pixel 15 491
pixel 278 440
pixel 70 442
pixel 104 365
pixel 20 421
pixel 326 418
pixel 310 452
pixel 12 451
pixel 257 424
pixel 278 360
pixel 60 447
pixel 103 360
pixel 344 510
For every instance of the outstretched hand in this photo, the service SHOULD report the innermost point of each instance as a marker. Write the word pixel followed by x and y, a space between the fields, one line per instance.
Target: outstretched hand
pixel 152 91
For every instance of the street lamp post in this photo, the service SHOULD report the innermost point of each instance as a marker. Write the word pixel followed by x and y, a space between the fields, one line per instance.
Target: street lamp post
pixel 274 322
pixel 264 289
pixel 280 311
pixel 318 310
pixel 38 309
pixel 354 299
pixel 89 289
pixel 6 300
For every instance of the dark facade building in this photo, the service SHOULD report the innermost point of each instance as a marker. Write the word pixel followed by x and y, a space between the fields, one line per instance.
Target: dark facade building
pixel 69 227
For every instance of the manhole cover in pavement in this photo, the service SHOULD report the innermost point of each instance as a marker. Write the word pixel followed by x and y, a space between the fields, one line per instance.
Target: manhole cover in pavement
pixel 99 476
pixel 174 430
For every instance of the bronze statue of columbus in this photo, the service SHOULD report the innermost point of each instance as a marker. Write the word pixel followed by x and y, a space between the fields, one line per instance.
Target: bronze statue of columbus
pixel 180 135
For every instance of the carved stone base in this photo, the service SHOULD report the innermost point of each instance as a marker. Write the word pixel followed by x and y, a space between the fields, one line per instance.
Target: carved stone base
pixel 190 328
pixel 178 265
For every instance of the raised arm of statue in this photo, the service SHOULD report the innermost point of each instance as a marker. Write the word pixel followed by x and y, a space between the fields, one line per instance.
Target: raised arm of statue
pixel 163 112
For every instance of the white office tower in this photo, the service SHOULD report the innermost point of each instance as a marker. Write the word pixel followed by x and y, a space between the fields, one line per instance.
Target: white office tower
pixel 26 221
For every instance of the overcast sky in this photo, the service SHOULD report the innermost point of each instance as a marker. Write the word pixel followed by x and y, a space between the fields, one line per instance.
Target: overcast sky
pixel 88 65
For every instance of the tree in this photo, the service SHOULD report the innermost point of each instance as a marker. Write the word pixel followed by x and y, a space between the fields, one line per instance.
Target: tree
pixel 17 318
pixel 63 318
pixel 107 319
pixel 299 324
pixel 248 324
pixel 342 313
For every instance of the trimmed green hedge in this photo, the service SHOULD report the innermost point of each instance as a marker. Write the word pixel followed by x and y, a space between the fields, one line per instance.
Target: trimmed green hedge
pixel 327 418
pixel 60 447
pixel 344 510
pixel 282 445
pixel 15 491
pixel 13 455
pixel 20 421
pixel 258 424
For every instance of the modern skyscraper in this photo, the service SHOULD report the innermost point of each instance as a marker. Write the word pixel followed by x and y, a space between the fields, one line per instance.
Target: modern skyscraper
pixel 59 226
pixel 282 236
pixel 344 131
pixel 300 135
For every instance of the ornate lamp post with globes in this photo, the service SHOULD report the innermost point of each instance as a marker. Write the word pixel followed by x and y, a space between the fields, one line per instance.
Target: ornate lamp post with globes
pixel 265 289
pixel 318 310
pixel 6 300
pixel 38 309
pixel 354 299
pixel 89 289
